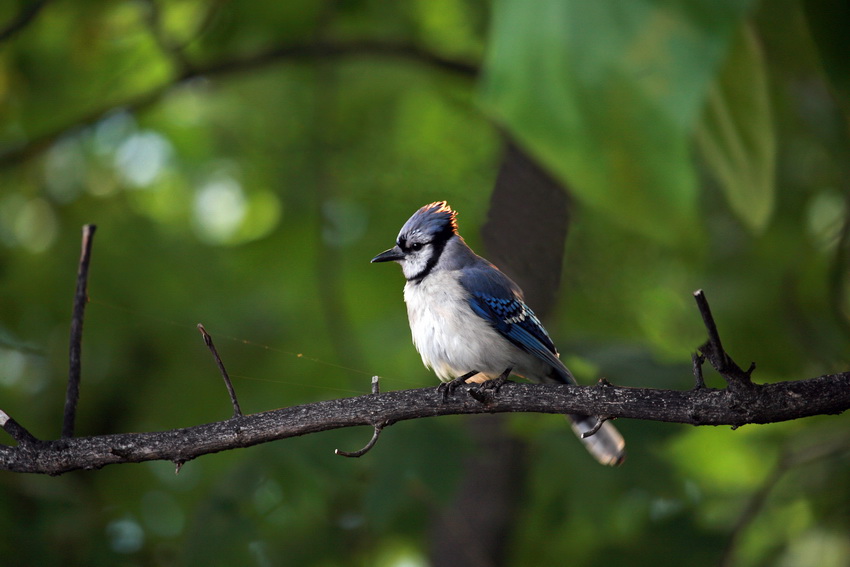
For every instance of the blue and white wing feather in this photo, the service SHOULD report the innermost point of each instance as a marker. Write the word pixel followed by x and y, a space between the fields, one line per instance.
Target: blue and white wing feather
pixel 495 298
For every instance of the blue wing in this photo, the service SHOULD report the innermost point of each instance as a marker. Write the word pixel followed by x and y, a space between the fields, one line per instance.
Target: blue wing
pixel 498 300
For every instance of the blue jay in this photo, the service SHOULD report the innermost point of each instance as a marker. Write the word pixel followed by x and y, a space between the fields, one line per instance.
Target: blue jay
pixel 469 321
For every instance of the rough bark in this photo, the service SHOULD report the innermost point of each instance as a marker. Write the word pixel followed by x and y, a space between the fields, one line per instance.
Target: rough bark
pixel 766 403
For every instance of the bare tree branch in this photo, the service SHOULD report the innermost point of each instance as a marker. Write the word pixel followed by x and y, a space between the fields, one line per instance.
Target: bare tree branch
pixel 765 403
pixel 16 154
pixel 376 389
pixel 72 394
pixel 25 16
pixel 16 430
pixel 735 406
pixel 166 43
pixel 713 350
pixel 237 411
pixel 366 448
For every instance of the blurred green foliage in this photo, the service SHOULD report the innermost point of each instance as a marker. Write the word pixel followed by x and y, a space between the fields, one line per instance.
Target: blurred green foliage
pixel 242 172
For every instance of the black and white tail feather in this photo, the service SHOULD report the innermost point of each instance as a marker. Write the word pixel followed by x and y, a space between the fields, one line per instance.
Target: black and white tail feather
pixel 606 444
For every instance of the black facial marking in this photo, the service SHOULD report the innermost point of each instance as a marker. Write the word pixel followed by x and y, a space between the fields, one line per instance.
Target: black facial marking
pixel 439 244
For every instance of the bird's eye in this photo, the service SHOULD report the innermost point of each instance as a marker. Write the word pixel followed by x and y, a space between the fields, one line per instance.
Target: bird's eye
pixel 416 246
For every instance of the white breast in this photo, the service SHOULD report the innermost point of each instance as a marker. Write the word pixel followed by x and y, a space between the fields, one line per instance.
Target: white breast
pixel 449 336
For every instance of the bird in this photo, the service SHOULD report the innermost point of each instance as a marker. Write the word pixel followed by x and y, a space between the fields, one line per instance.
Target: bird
pixel 470 323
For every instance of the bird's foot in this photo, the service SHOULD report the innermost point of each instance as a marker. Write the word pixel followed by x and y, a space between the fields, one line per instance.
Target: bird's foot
pixel 445 389
pixel 482 390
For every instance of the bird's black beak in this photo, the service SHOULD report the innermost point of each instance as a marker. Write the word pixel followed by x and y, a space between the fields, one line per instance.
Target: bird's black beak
pixel 394 254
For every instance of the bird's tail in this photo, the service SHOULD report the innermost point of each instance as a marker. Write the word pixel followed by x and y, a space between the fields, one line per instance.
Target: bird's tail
pixel 602 440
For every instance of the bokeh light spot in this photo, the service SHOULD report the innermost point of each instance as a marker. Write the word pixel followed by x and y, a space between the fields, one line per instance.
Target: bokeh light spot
pixel 142 157
pixel 125 536
pixel 219 209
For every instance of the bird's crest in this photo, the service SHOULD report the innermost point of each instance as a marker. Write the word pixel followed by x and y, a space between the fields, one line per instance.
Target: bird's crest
pixel 431 220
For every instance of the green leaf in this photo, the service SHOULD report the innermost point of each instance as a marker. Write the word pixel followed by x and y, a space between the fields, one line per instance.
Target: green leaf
pixel 828 22
pixel 606 95
pixel 736 135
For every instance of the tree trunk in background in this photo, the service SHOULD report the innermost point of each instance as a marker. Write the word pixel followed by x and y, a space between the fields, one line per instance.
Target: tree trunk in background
pixel 526 229
pixel 474 529
pixel 524 235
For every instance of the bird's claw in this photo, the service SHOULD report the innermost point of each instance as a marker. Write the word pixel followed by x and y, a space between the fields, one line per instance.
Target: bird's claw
pixel 448 388
pixel 488 388
pixel 445 389
pixel 495 384
pixel 479 391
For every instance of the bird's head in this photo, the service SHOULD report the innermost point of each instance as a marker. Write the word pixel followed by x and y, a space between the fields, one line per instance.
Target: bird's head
pixel 421 240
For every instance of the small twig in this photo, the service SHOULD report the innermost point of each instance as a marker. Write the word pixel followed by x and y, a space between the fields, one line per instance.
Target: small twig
pixel 376 389
pixel 710 325
pixel 367 447
pixel 72 395
pixel 698 359
pixel 237 411
pixel 713 348
pixel 600 419
pixel 18 432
